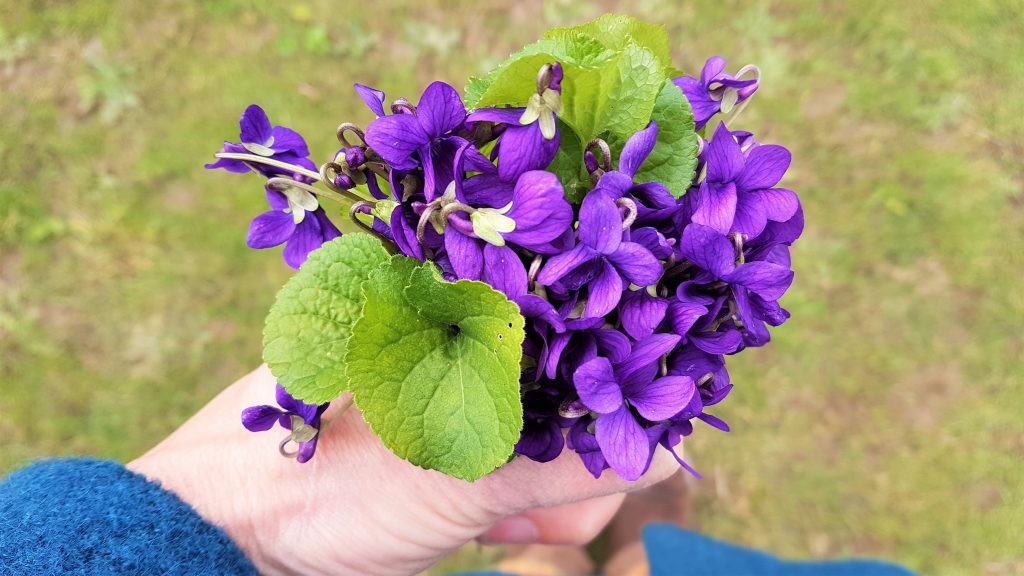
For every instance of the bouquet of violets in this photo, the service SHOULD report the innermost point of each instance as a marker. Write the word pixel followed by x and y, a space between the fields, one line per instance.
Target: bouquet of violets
pixel 559 259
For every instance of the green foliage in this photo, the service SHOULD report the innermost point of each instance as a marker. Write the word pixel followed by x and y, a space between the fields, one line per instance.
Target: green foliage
pixel 615 100
pixel 311 320
pixel 434 367
pixel 616 80
pixel 616 31
pixel 674 157
pixel 513 81
pixel 13 48
pixel 605 92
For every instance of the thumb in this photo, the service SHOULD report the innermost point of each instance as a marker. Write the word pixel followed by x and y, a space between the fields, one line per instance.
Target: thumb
pixel 524 484
pixel 569 524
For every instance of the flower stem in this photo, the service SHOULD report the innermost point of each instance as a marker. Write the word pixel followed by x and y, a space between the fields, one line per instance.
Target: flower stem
pixel 365 207
pixel 340 197
pixel 345 405
pixel 421 226
pixel 631 211
pixel 270 162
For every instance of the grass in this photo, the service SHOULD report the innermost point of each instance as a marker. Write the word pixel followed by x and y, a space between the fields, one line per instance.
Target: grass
pixel 884 419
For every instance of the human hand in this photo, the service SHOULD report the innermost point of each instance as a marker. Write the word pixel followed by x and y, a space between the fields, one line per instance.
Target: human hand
pixel 356 508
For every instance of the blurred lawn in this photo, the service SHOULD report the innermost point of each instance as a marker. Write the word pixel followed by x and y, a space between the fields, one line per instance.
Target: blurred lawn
pixel 885 419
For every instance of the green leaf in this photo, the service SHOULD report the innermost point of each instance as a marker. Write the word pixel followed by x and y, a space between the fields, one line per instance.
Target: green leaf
pixel 434 367
pixel 614 31
pixel 615 68
pixel 674 157
pixel 475 89
pixel 615 100
pixel 515 79
pixel 310 322
pixel 604 91
pixel 568 165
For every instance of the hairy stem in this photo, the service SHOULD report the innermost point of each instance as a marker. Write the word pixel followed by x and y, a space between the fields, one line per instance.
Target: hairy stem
pixel 269 162
pixel 340 197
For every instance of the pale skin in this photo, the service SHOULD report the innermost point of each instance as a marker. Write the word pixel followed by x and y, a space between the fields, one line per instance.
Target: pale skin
pixel 356 508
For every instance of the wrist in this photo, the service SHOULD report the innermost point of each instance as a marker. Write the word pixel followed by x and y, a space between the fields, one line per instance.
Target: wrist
pixel 208 465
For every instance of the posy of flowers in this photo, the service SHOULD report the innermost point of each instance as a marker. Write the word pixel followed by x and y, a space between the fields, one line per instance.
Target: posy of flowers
pixel 560 259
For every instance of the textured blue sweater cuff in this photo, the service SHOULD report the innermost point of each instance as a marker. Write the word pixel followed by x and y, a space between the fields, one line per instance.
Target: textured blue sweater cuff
pixel 85 516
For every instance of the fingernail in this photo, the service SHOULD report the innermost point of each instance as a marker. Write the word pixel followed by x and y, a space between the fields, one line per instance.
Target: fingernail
pixel 514 530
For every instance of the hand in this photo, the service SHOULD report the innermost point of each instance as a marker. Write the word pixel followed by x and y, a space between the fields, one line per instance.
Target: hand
pixel 356 508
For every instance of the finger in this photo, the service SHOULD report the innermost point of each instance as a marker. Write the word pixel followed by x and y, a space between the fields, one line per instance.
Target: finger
pixel 569 524
pixel 524 484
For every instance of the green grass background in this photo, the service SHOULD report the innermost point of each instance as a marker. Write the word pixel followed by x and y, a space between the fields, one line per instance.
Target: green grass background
pixel 885 419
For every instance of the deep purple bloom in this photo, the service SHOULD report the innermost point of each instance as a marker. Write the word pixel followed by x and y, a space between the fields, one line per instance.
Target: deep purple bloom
pixel 634 153
pixel 772 247
pixel 530 137
pixel 535 214
pixel 716 255
pixel 541 438
pixel 738 192
pixel 602 259
pixel 764 280
pixel 654 203
pixel 611 390
pixel 301 418
pixel 258 137
pixel 641 312
pixel 582 441
pixel 295 220
pixel 407 141
pixel 710 374
pixel 582 341
pixel 715 91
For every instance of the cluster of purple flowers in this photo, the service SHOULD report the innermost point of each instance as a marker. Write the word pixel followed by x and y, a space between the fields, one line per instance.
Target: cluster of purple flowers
pixel 632 299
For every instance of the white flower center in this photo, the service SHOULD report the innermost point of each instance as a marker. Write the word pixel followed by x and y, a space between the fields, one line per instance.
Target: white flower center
pixel 490 223
pixel 299 202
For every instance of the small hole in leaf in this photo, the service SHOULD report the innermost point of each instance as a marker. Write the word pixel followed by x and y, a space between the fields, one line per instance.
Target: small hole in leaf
pixel 509 324
pixel 454 330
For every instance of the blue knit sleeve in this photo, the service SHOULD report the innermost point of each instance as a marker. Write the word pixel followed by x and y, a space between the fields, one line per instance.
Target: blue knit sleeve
pixel 88 517
pixel 672 551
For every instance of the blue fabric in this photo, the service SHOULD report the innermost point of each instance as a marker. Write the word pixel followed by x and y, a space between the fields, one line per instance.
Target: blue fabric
pixel 673 551
pixel 89 517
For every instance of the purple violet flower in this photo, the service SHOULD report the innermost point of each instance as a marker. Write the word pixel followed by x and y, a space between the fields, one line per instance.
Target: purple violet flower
pixel 581 342
pixel 425 138
pixel 530 138
pixel 478 246
pixel 628 314
pixel 642 312
pixel 542 438
pixel 302 419
pixel 611 390
pixel 601 259
pixel 295 220
pixel 737 194
pixel 717 91
pixel 755 285
pixel 258 137
pixel 653 200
